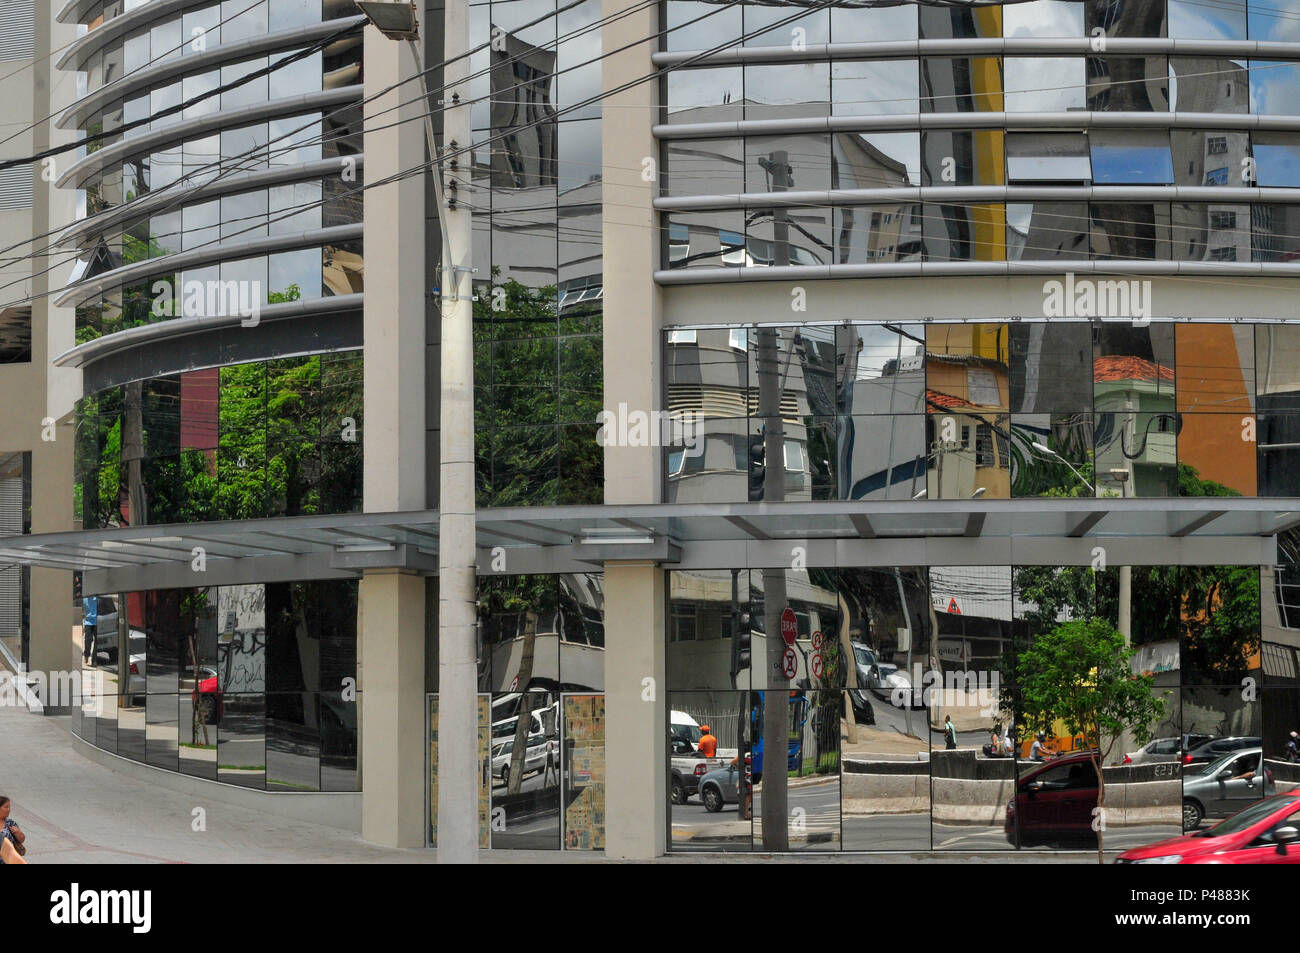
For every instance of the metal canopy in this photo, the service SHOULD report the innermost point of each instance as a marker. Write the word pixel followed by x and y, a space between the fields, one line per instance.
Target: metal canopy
pixel 604 532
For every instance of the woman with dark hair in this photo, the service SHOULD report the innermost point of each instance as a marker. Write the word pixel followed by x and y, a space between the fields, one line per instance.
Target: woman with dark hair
pixel 11 837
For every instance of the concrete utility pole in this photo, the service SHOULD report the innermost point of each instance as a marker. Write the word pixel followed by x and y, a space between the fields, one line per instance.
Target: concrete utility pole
pixel 458 822
pixel 458 760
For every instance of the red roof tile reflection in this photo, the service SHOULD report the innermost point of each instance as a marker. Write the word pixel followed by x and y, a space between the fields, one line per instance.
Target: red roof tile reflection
pixel 939 399
pixel 1120 367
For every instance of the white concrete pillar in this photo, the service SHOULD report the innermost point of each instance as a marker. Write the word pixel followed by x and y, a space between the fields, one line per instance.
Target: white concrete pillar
pixel 391 643
pixel 636 722
pixel 390 624
pixel 636 712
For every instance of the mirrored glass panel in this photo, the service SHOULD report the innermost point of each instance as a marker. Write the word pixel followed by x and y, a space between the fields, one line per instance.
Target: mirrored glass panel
pixel 1216 455
pixel 961 84
pixel 1048 157
pixel 1275 232
pixel 1135 231
pixel 1274 20
pixel 293 740
pixel 964 232
pixel 1051 455
pixel 875 87
pixel 1045 83
pixel 1191 20
pixel 781 23
pixel 1272 86
pixel 709 645
pixel 853 24
pixel 880 368
pixel 875 160
pixel 695 25
pixel 957 157
pixel 1216 365
pixel 788 90
pixel 1210 84
pixel 705 95
pixel 704 167
pixel 584 772
pixel 1136 423
pixel 1277 159
pixel 710 784
pixel 968 670
pixel 526 759
pixel 161 714
pixel 521 625
pixel 1223 769
pixel 1131 156
pixel 1043 231
pixel 1043 18
pixel 1128 84
pixel 241 741
pixel 813 733
pixel 1051 367
pixel 1124 19
pixel 959 23
pixel 705 239
pixel 782 163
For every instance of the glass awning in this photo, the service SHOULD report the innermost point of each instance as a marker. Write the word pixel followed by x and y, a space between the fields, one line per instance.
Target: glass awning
pixel 684 524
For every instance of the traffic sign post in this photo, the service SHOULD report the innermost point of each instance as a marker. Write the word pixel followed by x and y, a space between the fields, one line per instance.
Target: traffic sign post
pixel 789 626
pixel 789 664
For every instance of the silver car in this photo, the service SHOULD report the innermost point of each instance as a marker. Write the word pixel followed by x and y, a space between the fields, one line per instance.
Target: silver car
pixel 720 786
pixel 1225 786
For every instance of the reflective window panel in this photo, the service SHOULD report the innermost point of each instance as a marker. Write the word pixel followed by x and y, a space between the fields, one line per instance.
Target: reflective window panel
pixel 1051 455
pixel 526 760
pixel 710 784
pixel 1128 84
pixel 812 741
pixel 875 87
pixel 1210 85
pixel 1216 364
pixel 961 84
pixel 1045 231
pixel 584 772
pixel 1050 367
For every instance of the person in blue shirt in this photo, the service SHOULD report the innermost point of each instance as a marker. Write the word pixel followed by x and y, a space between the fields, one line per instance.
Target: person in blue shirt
pixel 89 627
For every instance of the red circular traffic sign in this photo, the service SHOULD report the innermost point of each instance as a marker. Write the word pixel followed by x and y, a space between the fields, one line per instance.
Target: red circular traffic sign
pixel 817 640
pixel 789 626
pixel 817 665
pixel 789 664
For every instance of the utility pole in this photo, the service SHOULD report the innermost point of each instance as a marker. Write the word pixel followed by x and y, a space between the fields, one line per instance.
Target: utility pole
pixel 776 709
pixel 457 554
pixel 458 778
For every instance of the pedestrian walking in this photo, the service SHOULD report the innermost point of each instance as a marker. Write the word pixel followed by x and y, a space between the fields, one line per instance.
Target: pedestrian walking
pixel 89 627
pixel 1293 748
pixel 949 733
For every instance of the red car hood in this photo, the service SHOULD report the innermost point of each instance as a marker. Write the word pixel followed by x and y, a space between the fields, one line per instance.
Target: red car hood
pixel 1186 845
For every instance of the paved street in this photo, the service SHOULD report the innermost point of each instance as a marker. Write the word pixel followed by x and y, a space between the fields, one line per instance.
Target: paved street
pixel 76 811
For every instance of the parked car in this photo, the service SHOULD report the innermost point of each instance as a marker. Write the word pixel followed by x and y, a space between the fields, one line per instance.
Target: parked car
pixel 1054 803
pixel 1166 749
pixel 1263 833
pixel 720 786
pixel 534 757
pixel 136 687
pixel 206 695
pixel 883 679
pixel 1225 786
pixel 1215 748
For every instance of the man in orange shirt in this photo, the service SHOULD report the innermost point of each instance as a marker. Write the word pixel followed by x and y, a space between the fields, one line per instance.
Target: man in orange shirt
pixel 708 745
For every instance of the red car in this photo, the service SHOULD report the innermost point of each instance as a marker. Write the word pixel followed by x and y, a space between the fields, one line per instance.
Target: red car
pixel 1055 804
pixel 1264 833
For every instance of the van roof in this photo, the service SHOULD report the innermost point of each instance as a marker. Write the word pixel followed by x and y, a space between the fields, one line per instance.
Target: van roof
pixel 681 718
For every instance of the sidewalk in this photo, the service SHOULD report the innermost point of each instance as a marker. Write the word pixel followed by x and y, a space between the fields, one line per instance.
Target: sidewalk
pixel 76 811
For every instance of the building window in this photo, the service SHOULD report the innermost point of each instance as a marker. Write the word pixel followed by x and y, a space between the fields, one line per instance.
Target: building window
pixel 1223 220
pixel 1216 145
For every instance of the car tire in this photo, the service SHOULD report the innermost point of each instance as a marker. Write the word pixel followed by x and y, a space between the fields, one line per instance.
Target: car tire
pixel 679 792
pixel 712 799
pixel 208 709
pixel 1192 815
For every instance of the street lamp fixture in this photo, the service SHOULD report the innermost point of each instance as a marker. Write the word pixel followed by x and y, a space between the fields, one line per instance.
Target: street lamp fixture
pixel 394 19
pixel 1048 451
pixel 978 493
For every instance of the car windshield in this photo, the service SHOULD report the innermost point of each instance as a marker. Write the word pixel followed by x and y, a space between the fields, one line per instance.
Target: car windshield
pixel 1244 819
pixel 862 655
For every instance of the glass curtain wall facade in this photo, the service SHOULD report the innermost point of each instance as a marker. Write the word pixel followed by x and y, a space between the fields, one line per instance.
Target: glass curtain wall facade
pixel 223 182
pixel 899 123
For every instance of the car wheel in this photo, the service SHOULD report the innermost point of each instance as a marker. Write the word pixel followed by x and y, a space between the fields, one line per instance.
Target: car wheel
pixel 208 709
pixel 1192 815
pixel 679 791
pixel 712 799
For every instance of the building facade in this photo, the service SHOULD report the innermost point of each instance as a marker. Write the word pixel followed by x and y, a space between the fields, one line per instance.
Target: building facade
pixel 907 333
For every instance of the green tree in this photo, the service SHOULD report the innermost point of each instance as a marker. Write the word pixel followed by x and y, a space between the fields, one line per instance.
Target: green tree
pixel 1080 674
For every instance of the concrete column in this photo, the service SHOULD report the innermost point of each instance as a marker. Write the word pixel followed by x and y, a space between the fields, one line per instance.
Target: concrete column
pixel 636 712
pixel 635 729
pixel 390 630
pixel 391 635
